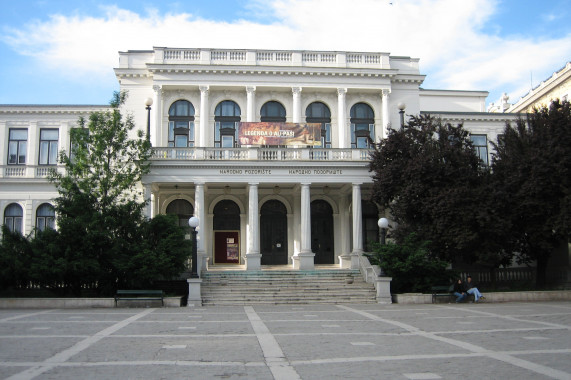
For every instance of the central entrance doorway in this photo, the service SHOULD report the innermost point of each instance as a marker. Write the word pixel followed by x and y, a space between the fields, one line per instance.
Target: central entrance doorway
pixel 322 232
pixel 273 233
pixel 226 226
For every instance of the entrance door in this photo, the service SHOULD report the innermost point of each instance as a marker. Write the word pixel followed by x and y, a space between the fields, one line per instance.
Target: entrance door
pixel 226 247
pixel 322 232
pixel 226 232
pixel 273 233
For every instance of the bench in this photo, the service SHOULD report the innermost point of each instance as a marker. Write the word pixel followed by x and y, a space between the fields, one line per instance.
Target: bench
pixel 441 291
pixel 139 295
pixel 444 291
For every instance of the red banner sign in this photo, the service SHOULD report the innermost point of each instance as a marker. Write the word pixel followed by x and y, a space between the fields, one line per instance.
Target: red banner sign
pixel 274 133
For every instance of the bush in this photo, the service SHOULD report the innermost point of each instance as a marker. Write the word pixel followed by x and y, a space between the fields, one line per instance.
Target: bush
pixel 411 265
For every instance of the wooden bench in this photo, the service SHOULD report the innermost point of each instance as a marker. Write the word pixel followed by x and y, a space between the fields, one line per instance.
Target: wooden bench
pixel 139 295
pixel 441 291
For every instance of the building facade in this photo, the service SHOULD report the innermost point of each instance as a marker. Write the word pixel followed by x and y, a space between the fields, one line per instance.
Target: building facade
pixel 296 203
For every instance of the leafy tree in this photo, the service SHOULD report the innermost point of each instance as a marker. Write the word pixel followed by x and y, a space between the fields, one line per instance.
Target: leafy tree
pixel 532 166
pixel 429 177
pixel 15 252
pixel 411 265
pixel 98 208
pixel 103 236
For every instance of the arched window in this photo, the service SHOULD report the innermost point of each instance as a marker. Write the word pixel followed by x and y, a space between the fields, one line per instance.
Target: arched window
pixel 182 209
pixel 318 112
pixel 13 215
pixel 362 126
pixel 226 119
pixel 181 124
pixel 273 111
pixel 45 217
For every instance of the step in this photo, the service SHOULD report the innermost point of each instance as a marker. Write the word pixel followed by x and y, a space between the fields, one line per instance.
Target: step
pixel 286 287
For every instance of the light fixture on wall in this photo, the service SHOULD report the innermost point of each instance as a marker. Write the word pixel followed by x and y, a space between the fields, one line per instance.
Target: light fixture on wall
pixel 227 189
pixel 326 190
pixel 277 189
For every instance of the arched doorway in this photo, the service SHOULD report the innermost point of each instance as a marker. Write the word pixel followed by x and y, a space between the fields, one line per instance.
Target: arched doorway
pixel 182 209
pixel 322 240
pixel 226 226
pixel 273 233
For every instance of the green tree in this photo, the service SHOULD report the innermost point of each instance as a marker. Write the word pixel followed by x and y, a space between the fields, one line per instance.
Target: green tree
pixel 411 265
pixel 532 177
pixel 15 252
pixel 103 236
pixel 429 177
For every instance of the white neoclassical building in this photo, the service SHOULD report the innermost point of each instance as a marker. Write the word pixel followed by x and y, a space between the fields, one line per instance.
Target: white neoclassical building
pixel 299 199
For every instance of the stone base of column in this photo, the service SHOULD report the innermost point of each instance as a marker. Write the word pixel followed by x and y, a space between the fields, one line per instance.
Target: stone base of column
pixel 203 261
pixel 383 285
pixel 345 261
pixel 253 261
pixel 355 255
pixel 304 261
pixel 194 293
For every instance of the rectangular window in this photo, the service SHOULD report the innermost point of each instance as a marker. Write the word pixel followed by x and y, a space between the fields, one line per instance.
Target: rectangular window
pixel 14 223
pixel 48 146
pixel 480 143
pixel 17 146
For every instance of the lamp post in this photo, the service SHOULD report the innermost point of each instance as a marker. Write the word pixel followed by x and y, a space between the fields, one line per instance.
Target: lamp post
pixel 383 224
pixel 148 104
pixel 401 106
pixel 193 223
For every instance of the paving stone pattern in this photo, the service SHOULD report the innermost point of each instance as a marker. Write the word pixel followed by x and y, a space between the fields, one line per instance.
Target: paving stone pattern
pixel 352 341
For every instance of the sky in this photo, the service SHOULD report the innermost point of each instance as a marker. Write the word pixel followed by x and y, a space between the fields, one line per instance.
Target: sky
pixel 64 52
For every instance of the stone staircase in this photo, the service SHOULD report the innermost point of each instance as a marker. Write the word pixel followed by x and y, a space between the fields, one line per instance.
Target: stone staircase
pixel 285 287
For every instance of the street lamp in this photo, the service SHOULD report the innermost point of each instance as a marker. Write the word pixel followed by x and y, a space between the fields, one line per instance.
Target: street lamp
pixel 148 104
pixel 401 106
pixel 193 223
pixel 383 224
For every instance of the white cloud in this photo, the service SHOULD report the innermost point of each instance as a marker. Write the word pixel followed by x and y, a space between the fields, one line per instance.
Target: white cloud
pixel 447 35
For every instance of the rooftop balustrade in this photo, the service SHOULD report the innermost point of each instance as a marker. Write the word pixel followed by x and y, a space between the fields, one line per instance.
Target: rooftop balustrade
pixel 163 55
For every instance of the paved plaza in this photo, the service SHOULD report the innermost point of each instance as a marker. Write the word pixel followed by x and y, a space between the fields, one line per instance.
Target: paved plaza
pixel 368 341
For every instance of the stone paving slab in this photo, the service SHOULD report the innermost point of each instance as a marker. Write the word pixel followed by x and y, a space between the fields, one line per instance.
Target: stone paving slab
pixel 359 341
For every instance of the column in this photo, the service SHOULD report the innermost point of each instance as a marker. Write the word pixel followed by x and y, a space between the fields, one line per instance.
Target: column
pixel 296 91
pixel 357 227
pixel 147 191
pixel 156 130
pixel 385 113
pixel 305 258
pixel 345 226
pixel 253 256
pixel 199 213
pixel 250 101
pixel 341 117
pixel 203 116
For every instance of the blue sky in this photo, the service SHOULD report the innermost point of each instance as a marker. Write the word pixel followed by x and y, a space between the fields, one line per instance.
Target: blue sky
pixel 63 52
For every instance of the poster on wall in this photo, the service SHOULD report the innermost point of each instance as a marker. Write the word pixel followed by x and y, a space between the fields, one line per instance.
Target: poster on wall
pixel 275 133
pixel 232 252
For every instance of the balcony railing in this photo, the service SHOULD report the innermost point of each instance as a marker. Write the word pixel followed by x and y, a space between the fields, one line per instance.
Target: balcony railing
pixel 214 154
pixel 27 171
pixel 260 154
pixel 272 57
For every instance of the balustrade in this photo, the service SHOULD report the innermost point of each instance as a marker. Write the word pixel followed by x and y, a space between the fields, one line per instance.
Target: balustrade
pixel 261 154
pixel 313 58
